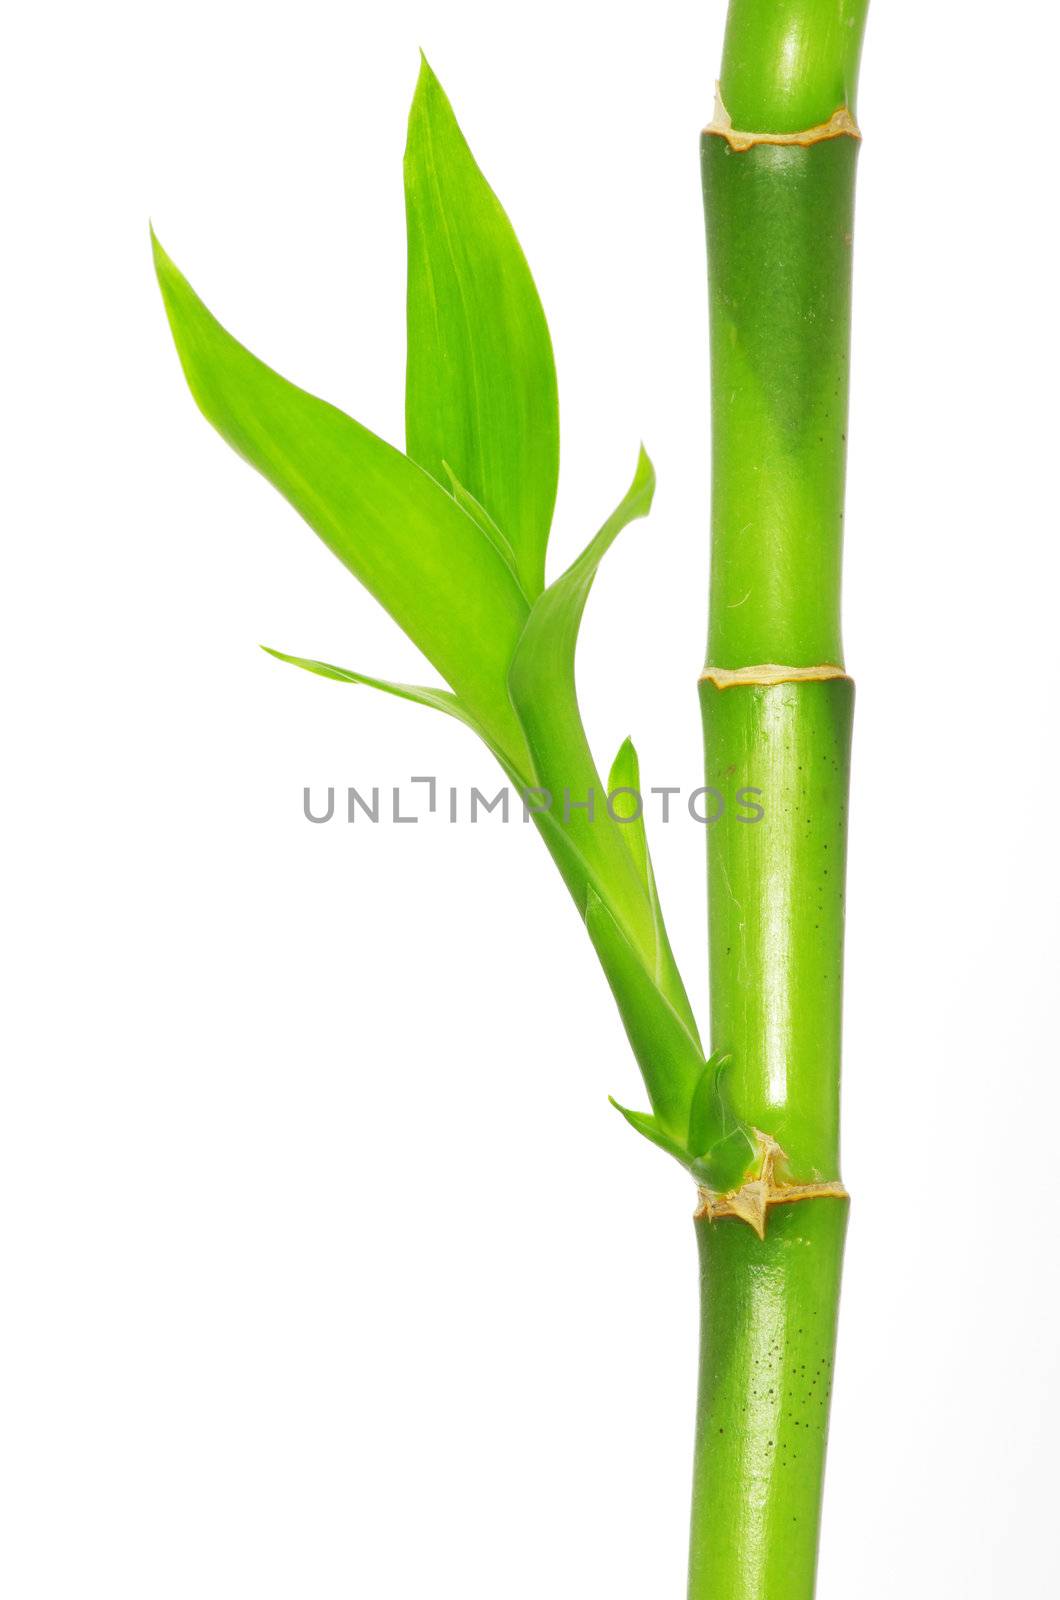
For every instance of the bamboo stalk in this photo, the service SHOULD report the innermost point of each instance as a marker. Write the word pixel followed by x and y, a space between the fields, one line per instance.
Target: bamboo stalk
pixel 778 182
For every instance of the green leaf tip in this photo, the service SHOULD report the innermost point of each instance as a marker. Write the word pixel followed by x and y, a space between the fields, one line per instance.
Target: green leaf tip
pixel 171 280
pixel 480 388
pixel 425 68
pixel 645 476
pixel 652 1130
pixel 627 804
pixel 625 764
pixel 166 271
pixel 427 82
pixel 436 699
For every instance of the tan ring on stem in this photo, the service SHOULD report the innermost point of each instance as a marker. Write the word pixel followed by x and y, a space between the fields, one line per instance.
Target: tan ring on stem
pixel 840 125
pixel 769 672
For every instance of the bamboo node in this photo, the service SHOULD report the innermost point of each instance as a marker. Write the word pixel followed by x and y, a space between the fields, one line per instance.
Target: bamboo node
pixel 752 1200
pixel 769 672
pixel 841 124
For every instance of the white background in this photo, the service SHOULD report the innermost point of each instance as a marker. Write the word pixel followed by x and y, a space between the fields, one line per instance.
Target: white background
pixel 326 1268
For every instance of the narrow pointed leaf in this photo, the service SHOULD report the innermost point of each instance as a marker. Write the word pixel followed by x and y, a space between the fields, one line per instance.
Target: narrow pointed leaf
pixel 543 692
pixel 669 1057
pixel 541 682
pixel 722 1168
pixel 628 805
pixel 707 1120
pixel 397 530
pixel 481 382
pixel 627 802
pixel 722 1146
pixel 437 699
pixel 651 1129
pixel 419 694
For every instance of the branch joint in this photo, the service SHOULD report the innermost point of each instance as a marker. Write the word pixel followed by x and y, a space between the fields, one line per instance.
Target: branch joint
pixel 752 1200
pixel 841 124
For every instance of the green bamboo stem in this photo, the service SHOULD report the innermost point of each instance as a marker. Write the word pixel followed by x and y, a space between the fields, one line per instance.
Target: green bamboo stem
pixel 787 64
pixel 779 233
pixel 765 1380
pixel 776 901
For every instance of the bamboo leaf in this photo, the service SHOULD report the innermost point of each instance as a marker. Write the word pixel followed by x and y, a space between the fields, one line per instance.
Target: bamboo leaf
pixel 726 1146
pixel 707 1121
pixel 627 802
pixel 481 382
pixel 625 776
pixel 543 692
pixel 541 679
pixel 722 1145
pixel 423 695
pixel 651 1129
pixel 397 530
pixel 669 1056
pixel 541 683
pixel 437 699
pixel 722 1168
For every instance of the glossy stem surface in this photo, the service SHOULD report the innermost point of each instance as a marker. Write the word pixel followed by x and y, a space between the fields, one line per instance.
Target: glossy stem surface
pixel 765 1379
pixel 780 222
pixel 776 908
pixel 788 64
pixel 779 236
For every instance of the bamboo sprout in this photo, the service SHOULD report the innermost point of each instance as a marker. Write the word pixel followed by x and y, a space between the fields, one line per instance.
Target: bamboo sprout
pixel 450 536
